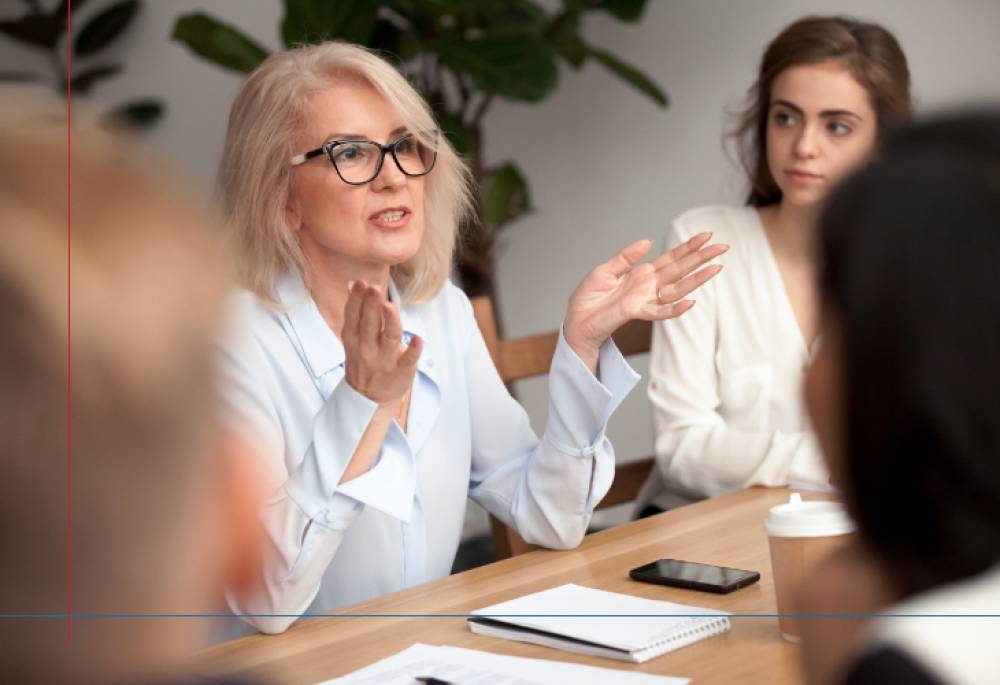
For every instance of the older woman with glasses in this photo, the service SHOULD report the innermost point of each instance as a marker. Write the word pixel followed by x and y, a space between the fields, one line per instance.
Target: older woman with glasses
pixel 358 367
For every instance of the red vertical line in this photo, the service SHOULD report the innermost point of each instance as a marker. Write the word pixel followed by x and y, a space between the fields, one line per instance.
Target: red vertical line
pixel 69 139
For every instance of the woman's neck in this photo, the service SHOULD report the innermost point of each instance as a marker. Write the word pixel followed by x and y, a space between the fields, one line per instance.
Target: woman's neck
pixel 791 229
pixel 330 284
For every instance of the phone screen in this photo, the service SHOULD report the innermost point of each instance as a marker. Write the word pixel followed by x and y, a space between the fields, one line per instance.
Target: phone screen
pixel 690 574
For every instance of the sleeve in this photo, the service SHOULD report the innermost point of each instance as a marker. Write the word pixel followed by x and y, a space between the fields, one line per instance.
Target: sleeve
pixel 546 489
pixel 696 450
pixel 307 510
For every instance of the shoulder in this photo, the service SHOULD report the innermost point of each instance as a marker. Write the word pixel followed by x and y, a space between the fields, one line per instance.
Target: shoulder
pixel 249 311
pixel 729 223
pixel 447 316
pixel 448 304
pixel 249 321
pixel 245 303
pixel 959 653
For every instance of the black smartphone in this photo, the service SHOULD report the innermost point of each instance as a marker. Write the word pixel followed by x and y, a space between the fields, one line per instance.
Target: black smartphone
pixel 694 576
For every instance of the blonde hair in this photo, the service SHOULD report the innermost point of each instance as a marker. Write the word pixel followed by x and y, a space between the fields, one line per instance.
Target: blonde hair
pixel 255 175
pixel 140 302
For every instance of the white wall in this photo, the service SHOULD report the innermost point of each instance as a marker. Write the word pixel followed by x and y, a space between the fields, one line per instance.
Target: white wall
pixel 606 166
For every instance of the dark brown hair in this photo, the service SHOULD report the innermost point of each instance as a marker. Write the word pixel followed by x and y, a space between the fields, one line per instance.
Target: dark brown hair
pixel 868 51
pixel 919 361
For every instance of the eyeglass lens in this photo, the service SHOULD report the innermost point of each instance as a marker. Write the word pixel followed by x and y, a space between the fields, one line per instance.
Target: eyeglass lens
pixel 358 161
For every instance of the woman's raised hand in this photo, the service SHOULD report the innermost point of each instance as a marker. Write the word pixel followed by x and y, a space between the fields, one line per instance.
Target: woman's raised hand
pixel 621 289
pixel 378 364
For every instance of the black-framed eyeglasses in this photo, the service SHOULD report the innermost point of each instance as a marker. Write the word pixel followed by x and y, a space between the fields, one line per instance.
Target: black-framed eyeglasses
pixel 359 161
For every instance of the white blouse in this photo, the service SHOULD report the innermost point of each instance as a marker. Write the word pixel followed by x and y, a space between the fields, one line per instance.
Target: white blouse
pixel 329 544
pixel 951 631
pixel 726 378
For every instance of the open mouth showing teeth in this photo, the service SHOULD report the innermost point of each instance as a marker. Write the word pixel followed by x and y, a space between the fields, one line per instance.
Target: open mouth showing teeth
pixel 391 217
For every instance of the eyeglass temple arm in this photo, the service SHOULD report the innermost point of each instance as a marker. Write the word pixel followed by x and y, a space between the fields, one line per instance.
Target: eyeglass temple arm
pixel 306 156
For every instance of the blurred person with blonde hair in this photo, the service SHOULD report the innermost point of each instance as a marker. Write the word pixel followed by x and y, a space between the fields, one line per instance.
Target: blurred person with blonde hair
pixel 160 510
pixel 360 370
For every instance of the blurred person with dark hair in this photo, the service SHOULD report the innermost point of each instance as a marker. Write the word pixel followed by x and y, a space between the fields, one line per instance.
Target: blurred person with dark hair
pixel 160 509
pixel 902 394
pixel 725 380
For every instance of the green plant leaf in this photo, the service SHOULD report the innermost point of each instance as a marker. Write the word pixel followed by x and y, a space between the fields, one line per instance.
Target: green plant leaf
pixel 457 133
pixel 41 30
pixel 516 66
pixel 312 21
pixel 626 10
pixel 506 196
pixel 217 42
pixel 563 36
pixel 84 81
pixel 401 45
pixel 105 27
pixel 631 75
pixel 135 115
pixel 503 15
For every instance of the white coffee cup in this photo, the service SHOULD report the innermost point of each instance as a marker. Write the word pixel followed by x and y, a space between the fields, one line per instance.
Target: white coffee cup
pixel 801 533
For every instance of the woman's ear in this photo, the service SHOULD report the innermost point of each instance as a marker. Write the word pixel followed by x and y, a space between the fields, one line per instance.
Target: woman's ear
pixel 292 216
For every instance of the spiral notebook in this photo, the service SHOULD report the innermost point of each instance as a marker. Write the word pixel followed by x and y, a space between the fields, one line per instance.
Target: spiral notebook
pixel 588 621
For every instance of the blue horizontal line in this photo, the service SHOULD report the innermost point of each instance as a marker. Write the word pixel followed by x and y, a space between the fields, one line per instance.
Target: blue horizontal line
pixel 85 616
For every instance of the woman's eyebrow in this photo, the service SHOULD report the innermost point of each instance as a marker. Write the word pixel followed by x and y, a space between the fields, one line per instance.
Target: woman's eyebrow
pixel 826 113
pixel 345 136
pixel 399 130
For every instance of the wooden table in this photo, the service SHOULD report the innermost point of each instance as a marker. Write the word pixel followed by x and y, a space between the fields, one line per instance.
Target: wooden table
pixel 725 530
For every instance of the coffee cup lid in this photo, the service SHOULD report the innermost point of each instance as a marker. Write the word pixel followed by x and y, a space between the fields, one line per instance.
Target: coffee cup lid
pixel 808 519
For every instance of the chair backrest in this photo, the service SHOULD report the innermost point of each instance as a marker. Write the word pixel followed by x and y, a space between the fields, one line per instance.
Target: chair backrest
pixel 520 358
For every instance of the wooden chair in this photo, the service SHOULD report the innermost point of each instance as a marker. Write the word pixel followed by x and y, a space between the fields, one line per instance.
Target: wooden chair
pixel 520 358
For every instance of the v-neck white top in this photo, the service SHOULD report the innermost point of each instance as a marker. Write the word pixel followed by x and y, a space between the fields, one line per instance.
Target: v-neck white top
pixel 329 544
pixel 725 379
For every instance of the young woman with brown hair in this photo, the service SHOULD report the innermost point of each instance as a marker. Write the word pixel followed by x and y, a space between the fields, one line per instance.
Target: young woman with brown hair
pixel 725 380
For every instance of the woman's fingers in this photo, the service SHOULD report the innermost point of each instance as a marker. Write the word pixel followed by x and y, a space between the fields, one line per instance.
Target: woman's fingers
pixel 408 360
pixel 392 329
pixel 352 311
pixel 628 256
pixel 692 244
pixel 674 271
pixel 689 259
pixel 671 292
pixel 371 317
pixel 672 310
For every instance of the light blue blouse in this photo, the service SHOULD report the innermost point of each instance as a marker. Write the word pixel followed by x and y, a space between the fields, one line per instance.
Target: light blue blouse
pixel 330 544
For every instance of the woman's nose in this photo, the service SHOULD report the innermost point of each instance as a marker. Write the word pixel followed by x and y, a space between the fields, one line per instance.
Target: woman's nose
pixel 390 175
pixel 806 143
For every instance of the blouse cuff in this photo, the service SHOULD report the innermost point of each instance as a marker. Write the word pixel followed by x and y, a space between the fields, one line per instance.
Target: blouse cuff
pixel 315 485
pixel 390 484
pixel 582 403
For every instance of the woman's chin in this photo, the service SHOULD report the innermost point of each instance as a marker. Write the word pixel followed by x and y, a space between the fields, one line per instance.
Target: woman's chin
pixel 395 257
pixel 399 249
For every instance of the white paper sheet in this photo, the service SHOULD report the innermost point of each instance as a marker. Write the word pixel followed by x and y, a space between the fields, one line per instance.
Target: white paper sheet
pixel 471 667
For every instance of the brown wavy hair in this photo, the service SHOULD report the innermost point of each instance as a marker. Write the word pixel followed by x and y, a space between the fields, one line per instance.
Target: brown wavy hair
pixel 868 51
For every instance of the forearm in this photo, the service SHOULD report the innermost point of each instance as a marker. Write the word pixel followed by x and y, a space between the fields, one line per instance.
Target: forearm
pixel 708 457
pixel 367 451
pixel 295 553
pixel 547 489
